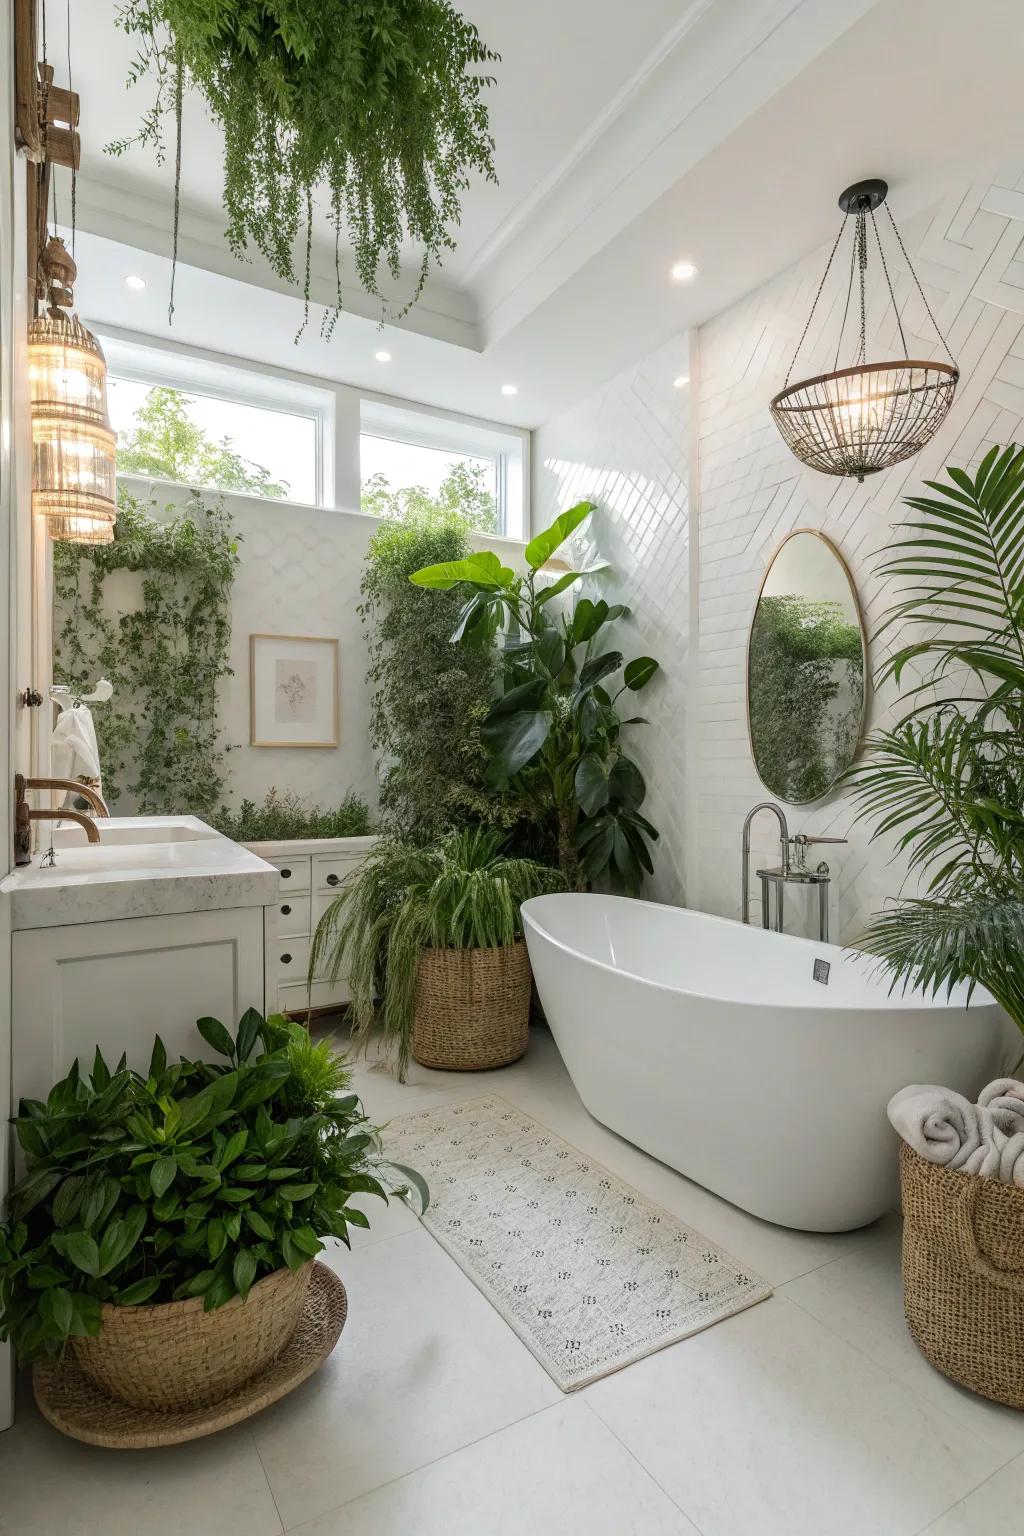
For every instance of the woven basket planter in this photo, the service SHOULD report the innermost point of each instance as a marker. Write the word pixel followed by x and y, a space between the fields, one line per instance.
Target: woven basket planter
pixel 174 1357
pixel 472 1008
pixel 963 1275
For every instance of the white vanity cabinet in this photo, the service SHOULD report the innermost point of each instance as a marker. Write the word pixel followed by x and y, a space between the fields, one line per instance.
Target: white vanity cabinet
pixel 310 875
pixel 122 940
pixel 120 983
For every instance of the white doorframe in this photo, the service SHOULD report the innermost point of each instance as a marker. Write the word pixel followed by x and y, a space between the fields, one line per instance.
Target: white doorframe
pixel 18 734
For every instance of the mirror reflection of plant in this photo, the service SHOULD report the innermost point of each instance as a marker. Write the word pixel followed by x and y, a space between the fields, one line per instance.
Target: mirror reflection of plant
pixel 555 731
pixel 427 700
pixel 159 735
pixel 195 1179
pixel 801 652
pixel 947 781
pixel 463 892
pixel 380 109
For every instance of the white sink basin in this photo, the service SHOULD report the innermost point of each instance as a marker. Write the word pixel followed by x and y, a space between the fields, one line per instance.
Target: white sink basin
pixel 119 830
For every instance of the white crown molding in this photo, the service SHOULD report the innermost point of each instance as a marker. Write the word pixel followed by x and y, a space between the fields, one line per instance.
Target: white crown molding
pixel 144 222
pixel 530 206
pixel 722 61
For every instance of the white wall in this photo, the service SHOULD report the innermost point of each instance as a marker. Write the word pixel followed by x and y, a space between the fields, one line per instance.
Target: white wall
pixel 638 443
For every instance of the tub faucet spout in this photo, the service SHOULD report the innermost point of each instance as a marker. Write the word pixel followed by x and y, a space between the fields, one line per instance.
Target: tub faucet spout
pixel 779 813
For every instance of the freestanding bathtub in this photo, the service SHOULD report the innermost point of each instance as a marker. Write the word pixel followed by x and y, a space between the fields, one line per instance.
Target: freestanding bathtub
pixel 713 1046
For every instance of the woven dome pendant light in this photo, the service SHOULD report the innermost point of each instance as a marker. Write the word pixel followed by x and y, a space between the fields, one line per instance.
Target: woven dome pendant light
pixel 73 464
pixel 856 421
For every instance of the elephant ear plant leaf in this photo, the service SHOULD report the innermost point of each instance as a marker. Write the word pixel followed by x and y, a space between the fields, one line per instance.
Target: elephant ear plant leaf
pixel 196 1179
pixel 946 782
pixel 555 731
pixel 375 106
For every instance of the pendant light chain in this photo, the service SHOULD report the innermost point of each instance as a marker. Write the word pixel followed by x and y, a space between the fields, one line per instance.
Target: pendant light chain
pixel 817 296
pixel 888 279
pixel 74 170
pixel 861 246
pixel 917 281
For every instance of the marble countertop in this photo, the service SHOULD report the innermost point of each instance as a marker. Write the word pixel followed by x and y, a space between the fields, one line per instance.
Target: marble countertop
pixel 184 867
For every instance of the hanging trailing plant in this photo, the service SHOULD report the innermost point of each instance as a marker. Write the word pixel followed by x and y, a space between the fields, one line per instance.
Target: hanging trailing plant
pixel 159 735
pixel 377 102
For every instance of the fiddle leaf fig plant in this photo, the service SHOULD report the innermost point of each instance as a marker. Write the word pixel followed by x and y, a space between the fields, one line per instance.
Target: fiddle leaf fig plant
pixel 195 1179
pixel 556 729
pixel 375 105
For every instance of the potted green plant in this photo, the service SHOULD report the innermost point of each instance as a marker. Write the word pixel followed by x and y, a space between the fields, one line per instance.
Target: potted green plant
pixel 946 783
pixel 436 934
pixel 166 1224
pixel 378 109
pixel 555 731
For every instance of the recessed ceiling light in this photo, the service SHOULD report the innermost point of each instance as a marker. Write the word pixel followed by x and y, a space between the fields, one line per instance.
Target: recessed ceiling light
pixel 382 356
pixel 510 389
pixel 683 272
pixel 682 381
pixel 135 282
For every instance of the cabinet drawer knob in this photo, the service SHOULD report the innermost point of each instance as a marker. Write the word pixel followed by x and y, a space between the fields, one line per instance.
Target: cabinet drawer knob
pixel 286 910
pixel 286 959
pixel 286 874
pixel 332 880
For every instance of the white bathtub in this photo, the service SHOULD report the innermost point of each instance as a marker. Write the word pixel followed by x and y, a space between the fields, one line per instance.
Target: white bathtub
pixel 711 1046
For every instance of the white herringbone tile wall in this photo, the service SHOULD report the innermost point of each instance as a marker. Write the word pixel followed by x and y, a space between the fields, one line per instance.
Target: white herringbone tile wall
pixel 626 448
pixel 629 445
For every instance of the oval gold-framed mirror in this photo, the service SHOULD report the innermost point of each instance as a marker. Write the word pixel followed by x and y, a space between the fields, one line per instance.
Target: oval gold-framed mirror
pixel 807 674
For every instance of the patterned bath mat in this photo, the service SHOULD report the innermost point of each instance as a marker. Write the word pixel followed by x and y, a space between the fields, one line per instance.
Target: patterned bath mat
pixel 589 1273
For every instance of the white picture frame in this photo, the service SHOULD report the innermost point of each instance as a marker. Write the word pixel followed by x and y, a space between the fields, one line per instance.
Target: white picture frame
pixel 293 691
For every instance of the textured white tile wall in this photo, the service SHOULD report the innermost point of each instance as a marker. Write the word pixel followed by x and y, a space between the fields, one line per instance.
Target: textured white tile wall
pixel 627 448
pixel 630 445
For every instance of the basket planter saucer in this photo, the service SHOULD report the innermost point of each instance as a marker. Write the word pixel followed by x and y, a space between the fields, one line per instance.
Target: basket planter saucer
pixel 75 1406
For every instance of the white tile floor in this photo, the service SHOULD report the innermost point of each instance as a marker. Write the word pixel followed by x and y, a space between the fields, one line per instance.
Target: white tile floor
pixel 809 1415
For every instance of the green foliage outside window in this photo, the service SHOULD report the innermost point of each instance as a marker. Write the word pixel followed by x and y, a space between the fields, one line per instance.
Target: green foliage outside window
pixel 168 445
pixel 166 654
pixel 462 491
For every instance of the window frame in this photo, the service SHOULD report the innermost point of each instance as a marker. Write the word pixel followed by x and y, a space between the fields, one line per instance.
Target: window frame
pixel 159 367
pixel 424 427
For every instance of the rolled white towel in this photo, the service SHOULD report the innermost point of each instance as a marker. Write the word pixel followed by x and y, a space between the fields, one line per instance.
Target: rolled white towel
pixel 1011 1160
pixel 942 1126
pixel 1005 1098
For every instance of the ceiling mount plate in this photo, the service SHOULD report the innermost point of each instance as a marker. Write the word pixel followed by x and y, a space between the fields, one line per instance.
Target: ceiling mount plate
pixel 867 195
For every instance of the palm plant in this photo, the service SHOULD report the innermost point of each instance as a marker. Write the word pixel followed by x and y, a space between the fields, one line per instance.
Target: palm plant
pixel 460 893
pixel 947 780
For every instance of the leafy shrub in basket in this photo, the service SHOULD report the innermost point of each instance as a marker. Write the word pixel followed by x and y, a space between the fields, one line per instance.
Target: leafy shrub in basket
pixel 195 1180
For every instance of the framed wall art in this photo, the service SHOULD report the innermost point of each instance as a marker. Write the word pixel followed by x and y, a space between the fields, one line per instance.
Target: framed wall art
pixel 293 681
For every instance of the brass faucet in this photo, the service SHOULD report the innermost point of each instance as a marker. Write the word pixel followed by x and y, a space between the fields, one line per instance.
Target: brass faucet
pixel 75 787
pixel 25 815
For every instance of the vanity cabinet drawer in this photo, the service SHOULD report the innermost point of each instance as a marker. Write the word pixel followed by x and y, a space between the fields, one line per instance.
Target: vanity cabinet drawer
pixel 298 1001
pixel 330 871
pixel 293 915
pixel 292 960
pixel 294 873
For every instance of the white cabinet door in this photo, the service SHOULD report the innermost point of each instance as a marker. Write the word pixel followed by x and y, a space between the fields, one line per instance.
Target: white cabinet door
pixel 118 984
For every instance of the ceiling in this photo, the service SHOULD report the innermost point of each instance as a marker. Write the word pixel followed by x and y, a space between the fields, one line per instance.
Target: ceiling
pixel 628 137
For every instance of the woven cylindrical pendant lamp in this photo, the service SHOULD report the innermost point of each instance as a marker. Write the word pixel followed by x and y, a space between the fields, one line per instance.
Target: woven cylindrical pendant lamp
pixel 864 418
pixel 73 446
